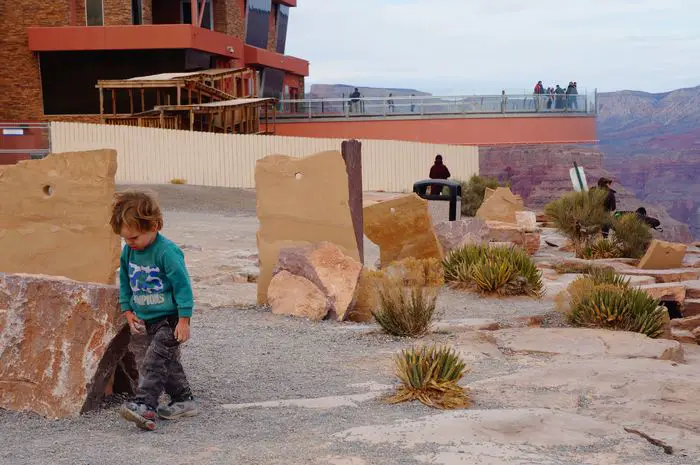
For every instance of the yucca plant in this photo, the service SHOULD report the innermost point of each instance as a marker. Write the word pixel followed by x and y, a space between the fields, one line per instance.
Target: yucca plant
pixel 619 308
pixel 501 270
pixel 579 215
pixel 608 276
pixel 631 235
pixel 600 248
pixel 405 311
pixel 430 375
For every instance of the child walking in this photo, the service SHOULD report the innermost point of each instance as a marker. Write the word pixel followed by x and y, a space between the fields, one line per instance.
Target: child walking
pixel 156 299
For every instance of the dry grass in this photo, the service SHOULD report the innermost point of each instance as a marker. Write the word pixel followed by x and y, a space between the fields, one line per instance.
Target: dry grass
pixel 430 375
pixel 405 311
pixel 178 181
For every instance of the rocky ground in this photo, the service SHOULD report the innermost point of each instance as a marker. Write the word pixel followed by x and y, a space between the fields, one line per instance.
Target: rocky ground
pixel 276 390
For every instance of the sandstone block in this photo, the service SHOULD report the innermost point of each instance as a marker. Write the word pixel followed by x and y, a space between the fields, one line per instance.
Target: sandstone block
pixel 296 296
pixel 683 336
pixel 305 201
pixel 366 299
pixel 587 343
pixel 455 234
pixel 661 276
pixel 665 291
pixel 508 232
pixel 691 307
pixel 60 342
pixel 692 289
pixel 696 333
pixel 687 323
pixel 500 205
pixel 332 272
pixel 55 216
pixel 663 255
pixel 526 220
pixel 402 228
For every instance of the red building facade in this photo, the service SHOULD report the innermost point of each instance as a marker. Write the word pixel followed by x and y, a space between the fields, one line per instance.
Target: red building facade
pixel 54 51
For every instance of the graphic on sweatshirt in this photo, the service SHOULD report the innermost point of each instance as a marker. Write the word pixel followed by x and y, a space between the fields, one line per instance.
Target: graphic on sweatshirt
pixel 145 284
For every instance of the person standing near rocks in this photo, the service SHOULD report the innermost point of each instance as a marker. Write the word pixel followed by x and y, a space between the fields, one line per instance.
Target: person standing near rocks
pixel 610 203
pixel 155 295
pixel 438 171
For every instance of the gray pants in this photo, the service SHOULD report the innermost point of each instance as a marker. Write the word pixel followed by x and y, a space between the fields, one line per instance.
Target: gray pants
pixel 157 355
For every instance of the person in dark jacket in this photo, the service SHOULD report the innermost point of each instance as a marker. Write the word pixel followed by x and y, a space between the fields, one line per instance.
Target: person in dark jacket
pixel 610 203
pixel 438 171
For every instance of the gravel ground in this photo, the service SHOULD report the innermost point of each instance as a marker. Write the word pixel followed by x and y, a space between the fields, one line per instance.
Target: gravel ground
pixel 240 353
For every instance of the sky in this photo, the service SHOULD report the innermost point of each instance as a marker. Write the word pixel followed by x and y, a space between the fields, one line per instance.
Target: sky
pixel 450 47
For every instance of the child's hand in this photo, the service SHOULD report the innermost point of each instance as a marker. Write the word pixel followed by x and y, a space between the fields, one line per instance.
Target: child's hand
pixel 137 326
pixel 182 330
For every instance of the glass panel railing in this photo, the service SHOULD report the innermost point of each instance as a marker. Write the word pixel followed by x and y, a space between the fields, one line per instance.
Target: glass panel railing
pixel 575 104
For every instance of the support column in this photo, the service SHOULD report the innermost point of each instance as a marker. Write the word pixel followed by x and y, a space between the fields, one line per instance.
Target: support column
pixel 352 154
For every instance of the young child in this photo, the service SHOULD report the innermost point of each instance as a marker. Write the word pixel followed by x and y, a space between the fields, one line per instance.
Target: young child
pixel 156 298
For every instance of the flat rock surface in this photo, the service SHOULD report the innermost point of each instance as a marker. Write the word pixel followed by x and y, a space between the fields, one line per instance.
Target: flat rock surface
pixel 309 393
pixel 586 343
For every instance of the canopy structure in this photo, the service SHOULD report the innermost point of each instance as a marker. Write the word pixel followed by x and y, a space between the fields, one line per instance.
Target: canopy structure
pixel 214 100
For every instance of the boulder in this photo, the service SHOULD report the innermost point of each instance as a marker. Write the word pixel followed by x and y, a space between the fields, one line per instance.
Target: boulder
pixel 662 276
pixel 687 323
pixel 366 299
pixel 292 211
pixel 507 232
pixel 402 228
pixel 500 205
pixel 683 336
pixel 60 342
pixel 296 296
pixel 692 289
pixel 696 333
pixel 586 343
pixel 55 216
pixel 663 255
pixel 455 234
pixel 526 220
pixel 665 291
pixel 334 273
pixel 691 307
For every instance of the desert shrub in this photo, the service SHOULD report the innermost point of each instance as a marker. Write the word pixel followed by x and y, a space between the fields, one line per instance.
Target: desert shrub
pixel 579 215
pixel 404 310
pixel 618 308
pixel 599 248
pixel 631 235
pixel 596 278
pixel 430 375
pixel 418 271
pixel 474 190
pixel 178 181
pixel 576 268
pixel 500 270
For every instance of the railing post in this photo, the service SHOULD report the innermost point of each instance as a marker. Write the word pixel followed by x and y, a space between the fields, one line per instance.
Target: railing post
pixel 309 105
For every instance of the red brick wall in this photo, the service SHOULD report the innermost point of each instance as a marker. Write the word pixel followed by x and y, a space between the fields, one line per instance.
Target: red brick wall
pixel 272 34
pixel 20 81
pixel 117 12
pixel 147 6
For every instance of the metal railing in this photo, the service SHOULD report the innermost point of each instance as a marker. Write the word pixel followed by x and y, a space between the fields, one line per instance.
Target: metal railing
pixel 574 104
pixel 21 141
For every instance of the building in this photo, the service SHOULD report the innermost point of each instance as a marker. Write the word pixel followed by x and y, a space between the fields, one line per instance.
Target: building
pixel 55 51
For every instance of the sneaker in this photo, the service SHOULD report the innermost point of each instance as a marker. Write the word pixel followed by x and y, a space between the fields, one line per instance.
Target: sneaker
pixel 141 414
pixel 174 410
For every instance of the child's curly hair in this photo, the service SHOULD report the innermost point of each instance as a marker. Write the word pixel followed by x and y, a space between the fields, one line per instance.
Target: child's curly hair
pixel 138 210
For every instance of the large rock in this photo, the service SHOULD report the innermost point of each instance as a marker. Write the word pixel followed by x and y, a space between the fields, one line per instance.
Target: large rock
pixel 586 343
pixel 663 256
pixel 515 234
pixel 500 205
pixel 661 276
pixel 687 323
pixel 691 307
pixel 305 201
pixel 55 216
pixel 296 296
pixel 402 228
pixel 60 342
pixel 335 274
pixel 527 220
pixel 455 234
pixel 665 291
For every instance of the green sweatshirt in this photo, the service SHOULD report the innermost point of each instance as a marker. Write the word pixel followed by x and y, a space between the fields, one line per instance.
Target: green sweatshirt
pixel 154 282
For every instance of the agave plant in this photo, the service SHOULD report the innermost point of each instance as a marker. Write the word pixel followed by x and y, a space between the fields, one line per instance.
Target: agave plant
pixel 600 248
pixel 619 308
pixel 501 270
pixel 632 236
pixel 430 375
pixel 608 276
pixel 405 311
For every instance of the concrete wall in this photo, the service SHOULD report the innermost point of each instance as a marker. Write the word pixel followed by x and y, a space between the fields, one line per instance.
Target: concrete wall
pixel 148 155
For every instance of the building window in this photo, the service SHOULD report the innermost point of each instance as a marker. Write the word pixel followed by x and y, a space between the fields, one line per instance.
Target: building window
pixel 94 13
pixel 257 22
pixel 136 12
pixel 282 21
pixel 186 13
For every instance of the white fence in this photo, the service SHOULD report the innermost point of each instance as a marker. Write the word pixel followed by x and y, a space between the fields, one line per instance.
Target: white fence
pixel 156 156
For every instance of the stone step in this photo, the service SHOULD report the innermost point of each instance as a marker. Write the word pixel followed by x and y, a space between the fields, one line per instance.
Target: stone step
pixel 692 289
pixel 691 307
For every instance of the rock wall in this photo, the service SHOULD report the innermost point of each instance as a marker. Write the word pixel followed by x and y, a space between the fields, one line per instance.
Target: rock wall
pixel 55 216
pixel 540 174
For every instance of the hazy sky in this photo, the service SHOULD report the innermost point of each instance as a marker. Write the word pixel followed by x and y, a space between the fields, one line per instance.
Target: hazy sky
pixel 483 46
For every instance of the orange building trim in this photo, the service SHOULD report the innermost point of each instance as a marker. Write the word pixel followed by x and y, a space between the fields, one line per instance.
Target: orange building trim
pixel 475 130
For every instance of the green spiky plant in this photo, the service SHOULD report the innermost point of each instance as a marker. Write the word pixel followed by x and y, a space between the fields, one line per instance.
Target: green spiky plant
pixel 631 235
pixel 405 311
pixel 430 375
pixel 474 190
pixel 580 216
pixel 499 270
pixel 619 308
pixel 600 248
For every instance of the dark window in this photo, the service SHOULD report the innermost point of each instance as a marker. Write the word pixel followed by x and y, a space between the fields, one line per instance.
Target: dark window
pixel 258 22
pixel 186 10
pixel 282 21
pixel 136 12
pixel 94 13
pixel 272 82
